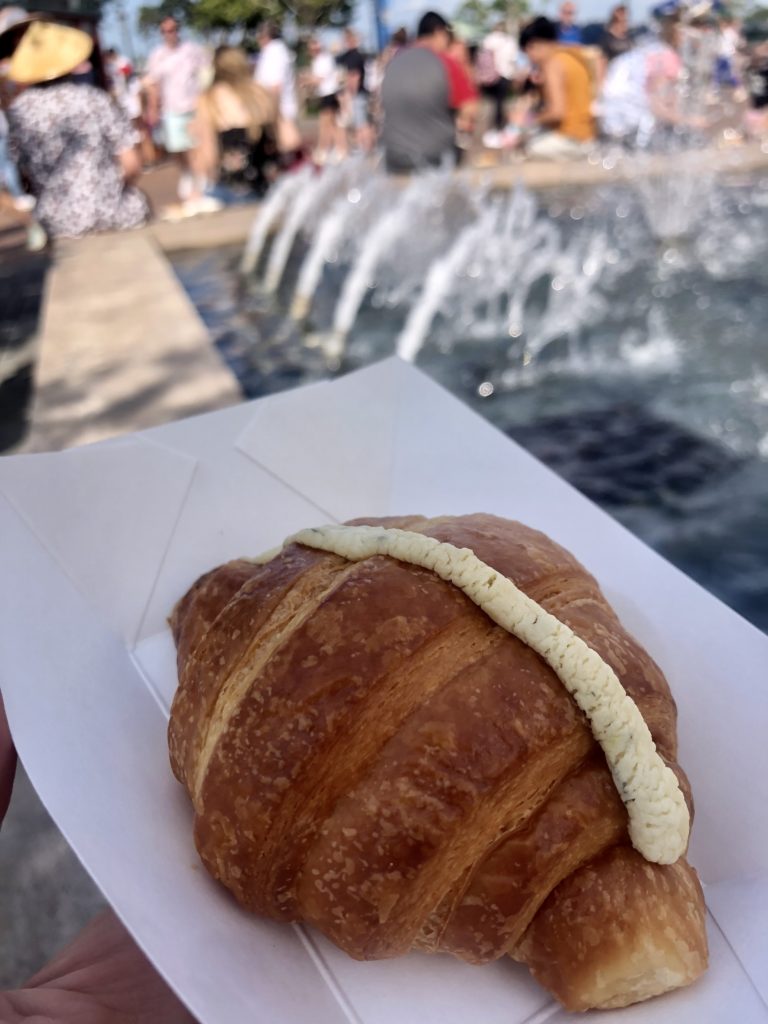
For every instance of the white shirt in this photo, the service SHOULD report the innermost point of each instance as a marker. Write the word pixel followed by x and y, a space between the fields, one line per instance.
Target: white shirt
pixel 728 43
pixel 326 74
pixel 274 70
pixel 177 71
pixel 504 50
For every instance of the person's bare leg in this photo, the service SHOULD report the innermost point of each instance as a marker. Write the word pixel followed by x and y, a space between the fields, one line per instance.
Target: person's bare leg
pixel 186 185
pixel 325 131
pixel 339 134
pixel 366 138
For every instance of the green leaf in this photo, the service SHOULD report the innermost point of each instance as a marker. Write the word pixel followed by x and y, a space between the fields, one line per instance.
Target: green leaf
pixel 215 16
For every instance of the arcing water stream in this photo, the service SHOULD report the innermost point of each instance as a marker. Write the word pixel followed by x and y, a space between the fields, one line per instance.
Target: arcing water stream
pixel 618 332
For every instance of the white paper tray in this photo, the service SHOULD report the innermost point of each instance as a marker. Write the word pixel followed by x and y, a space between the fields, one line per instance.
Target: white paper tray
pixel 96 544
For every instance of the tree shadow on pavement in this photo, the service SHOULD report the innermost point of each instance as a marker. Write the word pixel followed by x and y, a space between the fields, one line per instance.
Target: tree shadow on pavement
pixel 22 283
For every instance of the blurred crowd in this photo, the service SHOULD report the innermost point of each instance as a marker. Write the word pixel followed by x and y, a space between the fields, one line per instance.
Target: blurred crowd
pixel 77 124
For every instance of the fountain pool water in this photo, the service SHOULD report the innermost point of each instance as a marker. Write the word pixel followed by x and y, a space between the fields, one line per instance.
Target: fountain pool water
pixel 620 339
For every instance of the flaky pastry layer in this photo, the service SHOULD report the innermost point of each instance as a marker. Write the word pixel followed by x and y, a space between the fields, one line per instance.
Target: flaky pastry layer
pixel 366 751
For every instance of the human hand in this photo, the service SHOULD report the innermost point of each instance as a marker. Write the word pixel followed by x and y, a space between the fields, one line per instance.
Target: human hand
pixel 101 977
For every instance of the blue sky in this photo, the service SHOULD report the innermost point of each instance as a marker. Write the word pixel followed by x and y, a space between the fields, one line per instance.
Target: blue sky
pixel 401 12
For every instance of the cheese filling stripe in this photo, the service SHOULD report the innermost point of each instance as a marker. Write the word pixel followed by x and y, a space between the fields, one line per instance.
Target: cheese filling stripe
pixel 658 815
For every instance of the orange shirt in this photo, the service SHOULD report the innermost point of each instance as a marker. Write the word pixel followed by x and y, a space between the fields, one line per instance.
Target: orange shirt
pixel 577 122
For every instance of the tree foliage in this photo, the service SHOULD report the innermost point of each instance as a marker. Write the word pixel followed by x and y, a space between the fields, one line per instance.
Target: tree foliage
pixel 756 15
pixel 211 16
pixel 312 14
pixel 482 15
pixel 756 25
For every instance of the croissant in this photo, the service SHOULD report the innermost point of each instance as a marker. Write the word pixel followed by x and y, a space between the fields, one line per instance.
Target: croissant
pixel 368 751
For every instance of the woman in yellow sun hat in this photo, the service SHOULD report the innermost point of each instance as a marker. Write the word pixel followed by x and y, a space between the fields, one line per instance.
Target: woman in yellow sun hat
pixel 71 142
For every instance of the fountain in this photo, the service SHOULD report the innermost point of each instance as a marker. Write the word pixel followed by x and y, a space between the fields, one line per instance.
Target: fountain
pixel 534 279
pixel 439 282
pixel 349 216
pixel 271 210
pixel 313 195
pixel 616 331
pixel 396 230
pixel 328 237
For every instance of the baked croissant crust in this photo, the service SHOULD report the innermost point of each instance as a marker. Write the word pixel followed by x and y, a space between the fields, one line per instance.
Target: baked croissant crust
pixel 366 751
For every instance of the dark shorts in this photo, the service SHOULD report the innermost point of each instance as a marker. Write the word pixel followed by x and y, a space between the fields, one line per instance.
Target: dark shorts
pixel 329 103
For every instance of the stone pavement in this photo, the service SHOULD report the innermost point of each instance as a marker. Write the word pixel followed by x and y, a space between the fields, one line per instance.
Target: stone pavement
pixel 120 345
pixel 122 348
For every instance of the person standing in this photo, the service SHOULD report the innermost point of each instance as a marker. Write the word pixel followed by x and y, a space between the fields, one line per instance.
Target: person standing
pixel 174 81
pixel 354 96
pixel 640 94
pixel 499 53
pixel 397 42
pixel 275 72
pixel 13 24
pixel 616 39
pixel 234 129
pixel 565 118
pixel 352 60
pixel 117 71
pixel 425 97
pixel 323 79
pixel 728 46
pixel 568 32
pixel 71 141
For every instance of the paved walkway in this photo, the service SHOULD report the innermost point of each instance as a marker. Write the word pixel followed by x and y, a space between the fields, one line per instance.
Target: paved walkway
pixel 122 348
pixel 117 343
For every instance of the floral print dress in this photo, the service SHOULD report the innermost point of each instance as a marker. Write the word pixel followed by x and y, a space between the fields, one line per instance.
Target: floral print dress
pixel 65 138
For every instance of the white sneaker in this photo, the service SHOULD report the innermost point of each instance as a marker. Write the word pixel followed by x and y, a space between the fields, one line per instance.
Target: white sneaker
pixel 203 204
pixel 174 213
pixel 185 187
pixel 492 140
pixel 511 136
